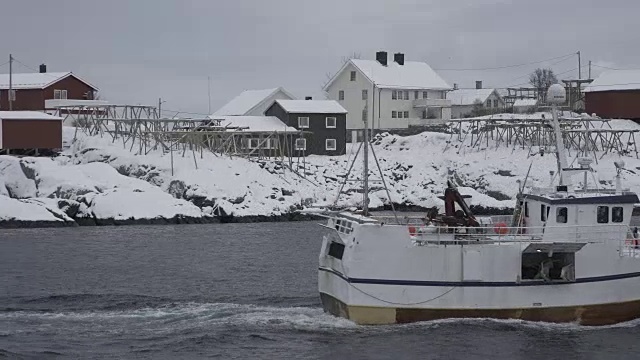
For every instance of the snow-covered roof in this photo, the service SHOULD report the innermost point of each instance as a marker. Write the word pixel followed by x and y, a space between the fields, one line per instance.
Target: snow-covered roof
pixel 411 75
pixel 27 115
pixel 249 99
pixel 35 80
pixel 312 106
pixel 255 123
pixel 616 80
pixel 525 102
pixel 469 96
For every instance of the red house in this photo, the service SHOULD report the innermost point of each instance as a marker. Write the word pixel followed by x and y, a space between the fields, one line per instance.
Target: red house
pixel 24 130
pixel 30 90
pixel 615 94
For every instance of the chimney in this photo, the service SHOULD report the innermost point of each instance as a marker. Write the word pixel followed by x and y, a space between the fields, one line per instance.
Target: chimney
pixel 455 86
pixel 399 58
pixel 43 68
pixel 381 56
pixel 308 98
pixel 479 84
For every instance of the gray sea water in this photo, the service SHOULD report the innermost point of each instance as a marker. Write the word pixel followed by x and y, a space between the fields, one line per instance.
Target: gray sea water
pixel 229 291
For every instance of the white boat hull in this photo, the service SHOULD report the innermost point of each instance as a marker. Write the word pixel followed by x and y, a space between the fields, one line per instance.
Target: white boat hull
pixel 599 302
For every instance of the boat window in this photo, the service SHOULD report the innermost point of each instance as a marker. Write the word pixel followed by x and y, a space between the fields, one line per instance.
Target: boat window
pixel 526 209
pixel 539 266
pixel 603 214
pixel 561 215
pixel 617 214
pixel 543 213
pixel 336 250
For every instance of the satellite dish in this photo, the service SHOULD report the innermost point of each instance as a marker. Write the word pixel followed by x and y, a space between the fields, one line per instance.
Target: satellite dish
pixel 556 94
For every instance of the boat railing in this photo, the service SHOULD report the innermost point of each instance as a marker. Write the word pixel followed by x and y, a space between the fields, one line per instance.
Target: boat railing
pixel 499 233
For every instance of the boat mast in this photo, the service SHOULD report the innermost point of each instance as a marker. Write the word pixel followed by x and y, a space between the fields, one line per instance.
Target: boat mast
pixel 365 170
pixel 555 95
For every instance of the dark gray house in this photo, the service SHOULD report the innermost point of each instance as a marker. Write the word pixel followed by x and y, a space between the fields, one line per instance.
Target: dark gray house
pixel 324 123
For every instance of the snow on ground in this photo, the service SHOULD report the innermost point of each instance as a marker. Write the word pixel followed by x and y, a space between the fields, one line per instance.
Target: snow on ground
pixel 98 178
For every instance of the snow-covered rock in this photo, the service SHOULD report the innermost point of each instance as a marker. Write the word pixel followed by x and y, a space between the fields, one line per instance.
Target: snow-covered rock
pixel 98 179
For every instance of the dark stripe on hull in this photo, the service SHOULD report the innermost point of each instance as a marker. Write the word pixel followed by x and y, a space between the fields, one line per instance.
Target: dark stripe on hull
pixel 590 315
pixel 477 283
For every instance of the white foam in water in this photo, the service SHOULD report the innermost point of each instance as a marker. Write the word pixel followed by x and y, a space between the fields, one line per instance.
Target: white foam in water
pixel 524 323
pixel 189 315
pixel 196 314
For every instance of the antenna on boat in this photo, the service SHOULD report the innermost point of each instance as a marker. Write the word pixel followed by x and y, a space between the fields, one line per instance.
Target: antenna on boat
pixel 365 170
pixel 556 95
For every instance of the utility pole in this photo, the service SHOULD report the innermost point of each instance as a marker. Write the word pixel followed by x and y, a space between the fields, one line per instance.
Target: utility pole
pixel 579 67
pixel 159 108
pixel 10 82
pixel 589 69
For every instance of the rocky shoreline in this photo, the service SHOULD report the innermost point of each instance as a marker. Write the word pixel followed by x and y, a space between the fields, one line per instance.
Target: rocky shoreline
pixel 227 219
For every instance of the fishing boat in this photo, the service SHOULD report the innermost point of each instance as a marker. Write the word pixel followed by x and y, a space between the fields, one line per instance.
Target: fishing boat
pixel 568 255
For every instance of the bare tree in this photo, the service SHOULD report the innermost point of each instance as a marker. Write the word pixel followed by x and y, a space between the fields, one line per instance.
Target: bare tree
pixel 541 79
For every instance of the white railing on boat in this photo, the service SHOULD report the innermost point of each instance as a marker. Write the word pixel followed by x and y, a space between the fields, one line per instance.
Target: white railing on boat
pixel 496 233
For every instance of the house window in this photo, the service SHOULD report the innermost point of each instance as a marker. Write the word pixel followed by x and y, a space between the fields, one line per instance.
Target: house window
pixel 303 122
pixel 12 95
pixel 561 215
pixel 488 103
pixel 330 122
pixel 365 94
pixel 365 114
pixel 341 95
pixel 301 144
pixel 543 212
pixel 425 94
pixel 415 94
pixel 59 94
pixel 406 114
pixel 617 214
pixel 495 103
pixel 253 143
pixel 353 76
pixel 394 114
pixel 400 113
pixel 602 214
pixel 526 209
pixel 406 94
pixel 330 144
pixel 394 95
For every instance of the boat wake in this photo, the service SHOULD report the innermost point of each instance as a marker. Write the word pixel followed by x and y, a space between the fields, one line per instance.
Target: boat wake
pixel 183 316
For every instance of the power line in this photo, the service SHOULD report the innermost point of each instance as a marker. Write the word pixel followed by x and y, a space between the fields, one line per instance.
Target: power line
pixel 529 74
pixel 32 69
pixel 509 66
pixel 3 64
pixel 610 68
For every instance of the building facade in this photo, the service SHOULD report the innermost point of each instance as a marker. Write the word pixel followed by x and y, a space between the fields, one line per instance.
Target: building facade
pixel 322 121
pixel 464 102
pixel 389 94
pixel 31 90
pixel 26 130
pixel 615 94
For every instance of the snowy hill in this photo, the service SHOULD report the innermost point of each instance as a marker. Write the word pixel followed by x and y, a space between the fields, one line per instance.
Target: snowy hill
pixel 97 181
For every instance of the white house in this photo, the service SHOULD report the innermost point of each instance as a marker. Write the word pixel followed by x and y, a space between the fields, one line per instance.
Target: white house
pixel 521 106
pixel 253 102
pixel 391 95
pixel 464 100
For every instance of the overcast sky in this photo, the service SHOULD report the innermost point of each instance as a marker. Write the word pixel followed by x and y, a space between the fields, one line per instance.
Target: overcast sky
pixel 138 51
